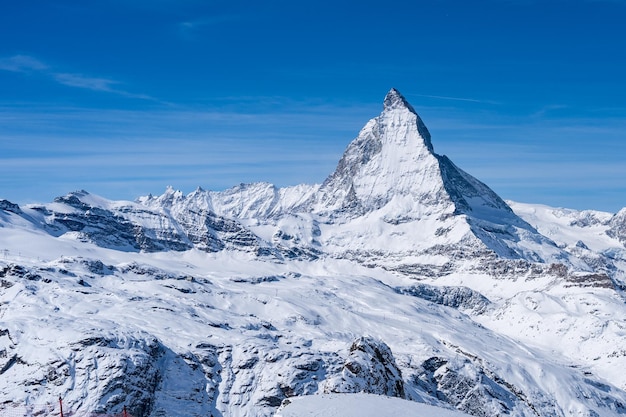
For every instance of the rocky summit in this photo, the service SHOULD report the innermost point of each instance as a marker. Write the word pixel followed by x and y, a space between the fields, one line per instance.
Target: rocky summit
pixel 399 275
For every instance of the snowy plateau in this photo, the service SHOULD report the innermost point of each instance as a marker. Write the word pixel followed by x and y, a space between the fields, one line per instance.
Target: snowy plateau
pixel 401 285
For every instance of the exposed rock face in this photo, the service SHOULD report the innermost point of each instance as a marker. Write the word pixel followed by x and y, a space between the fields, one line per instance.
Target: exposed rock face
pixel 131 227
pixel 370 368
pixel 470 388
pixel 257 378
pixel 456 297
pixel 10 207
pixel 618 226
pixel 106 374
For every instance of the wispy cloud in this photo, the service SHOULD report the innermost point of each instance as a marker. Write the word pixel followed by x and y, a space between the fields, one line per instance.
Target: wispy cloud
pixel 51 151
pixel 26 63
pixel 547 110
pixel 189 28
pixel 22 63
pixel 471 100
pixel 97 84
pixel 81 81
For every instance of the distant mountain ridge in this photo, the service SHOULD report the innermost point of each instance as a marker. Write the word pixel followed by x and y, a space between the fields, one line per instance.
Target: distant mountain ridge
pixel 391 199
pixel 388 174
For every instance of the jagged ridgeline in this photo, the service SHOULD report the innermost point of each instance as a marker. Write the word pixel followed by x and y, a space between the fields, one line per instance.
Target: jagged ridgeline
pixel 391 194
pixel 399 275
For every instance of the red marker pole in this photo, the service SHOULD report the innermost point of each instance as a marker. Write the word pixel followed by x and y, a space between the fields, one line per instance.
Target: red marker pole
pixel 61 405
pixel 125 415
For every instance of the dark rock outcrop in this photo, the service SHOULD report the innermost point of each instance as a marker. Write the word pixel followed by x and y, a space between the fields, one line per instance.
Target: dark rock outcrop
pixel 370 368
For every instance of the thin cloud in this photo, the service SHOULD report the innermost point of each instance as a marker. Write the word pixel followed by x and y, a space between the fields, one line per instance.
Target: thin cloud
pixel 189 28
pixel 97 84
pixel 21 63
pixel 471 100
pixel 209 21
pixel 81 81
pixel 25 63
pixel 546 110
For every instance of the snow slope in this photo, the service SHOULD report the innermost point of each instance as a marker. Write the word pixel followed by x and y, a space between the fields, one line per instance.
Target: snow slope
pixel 401 275
pixel 232 335
pixel 360 405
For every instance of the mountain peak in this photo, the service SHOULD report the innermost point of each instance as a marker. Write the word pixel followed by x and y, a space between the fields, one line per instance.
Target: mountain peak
pixel 391 158
pixel 395 100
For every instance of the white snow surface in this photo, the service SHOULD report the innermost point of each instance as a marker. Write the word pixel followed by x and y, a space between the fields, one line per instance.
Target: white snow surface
pixel 360 405
pixel 229 303
pixel 311 311
pixel 567 226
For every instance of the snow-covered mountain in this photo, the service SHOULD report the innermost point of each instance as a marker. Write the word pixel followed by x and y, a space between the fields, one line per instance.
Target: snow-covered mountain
pixel 400 275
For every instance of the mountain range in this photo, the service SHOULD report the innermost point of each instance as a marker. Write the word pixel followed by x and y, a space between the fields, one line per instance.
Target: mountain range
pixel 400 275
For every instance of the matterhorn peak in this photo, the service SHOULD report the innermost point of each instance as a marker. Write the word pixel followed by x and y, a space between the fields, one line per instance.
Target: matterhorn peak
pixel 391 156
pixel 395 103
pixel 395 100
pixel 391 164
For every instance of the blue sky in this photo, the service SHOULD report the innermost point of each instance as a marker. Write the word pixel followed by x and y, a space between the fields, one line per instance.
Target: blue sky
pixel 125 97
